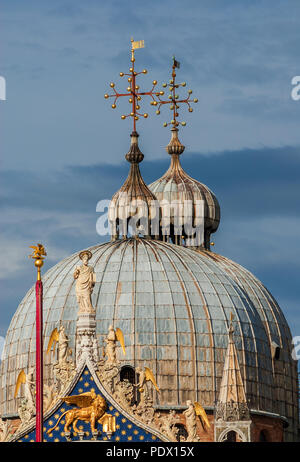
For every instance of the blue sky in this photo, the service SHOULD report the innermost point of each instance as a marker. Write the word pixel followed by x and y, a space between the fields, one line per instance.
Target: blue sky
pixel 62 147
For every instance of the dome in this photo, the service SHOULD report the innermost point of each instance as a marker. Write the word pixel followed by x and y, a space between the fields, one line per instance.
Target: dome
pixel 134 199
pixel 173 305
pixel 177 187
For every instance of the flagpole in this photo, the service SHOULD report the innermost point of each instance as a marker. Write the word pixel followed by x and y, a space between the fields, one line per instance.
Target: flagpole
pixel 39 261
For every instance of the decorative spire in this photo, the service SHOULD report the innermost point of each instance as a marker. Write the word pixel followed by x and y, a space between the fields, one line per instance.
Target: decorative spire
pixel 175 147
pixel 134 205
pixel 39 253
pixel 173 98
pixel 134 155
pixel 190 211
pixel 232 403
pixel 133 92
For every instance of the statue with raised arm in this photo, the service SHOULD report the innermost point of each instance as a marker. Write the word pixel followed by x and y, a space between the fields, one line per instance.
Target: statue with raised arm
pixel 85 281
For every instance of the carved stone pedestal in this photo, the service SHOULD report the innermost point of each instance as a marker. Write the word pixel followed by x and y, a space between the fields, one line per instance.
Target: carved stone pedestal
pixel 86 342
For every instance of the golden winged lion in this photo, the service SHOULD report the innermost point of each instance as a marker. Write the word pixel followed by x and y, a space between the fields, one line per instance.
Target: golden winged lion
pixel 91 408
pixel 38 251
pixel 202 415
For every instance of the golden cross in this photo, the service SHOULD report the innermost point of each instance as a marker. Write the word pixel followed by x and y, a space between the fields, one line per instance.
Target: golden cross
pixel 133 92
pixel 173 99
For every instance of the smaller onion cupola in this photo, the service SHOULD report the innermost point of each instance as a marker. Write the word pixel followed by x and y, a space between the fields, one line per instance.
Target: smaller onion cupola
pixel 134 208
pixel 190 211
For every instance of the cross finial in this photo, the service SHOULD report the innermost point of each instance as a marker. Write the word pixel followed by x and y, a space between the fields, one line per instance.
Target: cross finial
pixel 173 99
pixel 133 92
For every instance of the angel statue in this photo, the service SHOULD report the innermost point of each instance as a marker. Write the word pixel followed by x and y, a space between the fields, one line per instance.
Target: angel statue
pixel 112 338
pixel 27 408
pixel 59 336
pixel 191 414
pixel 91 408
pixel 64 368
pixel 85 281
pixel 145 376
pixel 202 415
pixel 29 383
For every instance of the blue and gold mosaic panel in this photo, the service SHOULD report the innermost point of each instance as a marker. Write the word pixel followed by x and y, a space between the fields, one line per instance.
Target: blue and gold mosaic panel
pixel 126 430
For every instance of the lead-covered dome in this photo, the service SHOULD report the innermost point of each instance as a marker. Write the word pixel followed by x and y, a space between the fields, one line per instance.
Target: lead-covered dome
pixel 173 305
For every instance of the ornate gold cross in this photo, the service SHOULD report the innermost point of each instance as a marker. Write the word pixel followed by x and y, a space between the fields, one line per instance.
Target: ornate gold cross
pixel 173 98
pixel 133 92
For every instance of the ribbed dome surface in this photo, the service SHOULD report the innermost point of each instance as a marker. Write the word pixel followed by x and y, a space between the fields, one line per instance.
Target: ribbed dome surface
pixel 173 305
pixel 176 184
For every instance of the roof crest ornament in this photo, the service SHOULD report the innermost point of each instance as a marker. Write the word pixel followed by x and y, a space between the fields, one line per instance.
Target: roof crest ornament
pixel 173 99
pixel 133 89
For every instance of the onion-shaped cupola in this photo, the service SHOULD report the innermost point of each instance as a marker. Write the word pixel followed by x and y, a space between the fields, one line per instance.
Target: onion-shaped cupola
pixel 134 208
pixel 190 211
pixel 185 202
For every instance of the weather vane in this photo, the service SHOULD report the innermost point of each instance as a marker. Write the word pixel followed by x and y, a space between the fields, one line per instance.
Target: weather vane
pixel 173 99
pixel 133 92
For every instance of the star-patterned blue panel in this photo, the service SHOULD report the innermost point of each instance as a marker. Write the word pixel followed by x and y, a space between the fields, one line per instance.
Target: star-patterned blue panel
pixel 126 430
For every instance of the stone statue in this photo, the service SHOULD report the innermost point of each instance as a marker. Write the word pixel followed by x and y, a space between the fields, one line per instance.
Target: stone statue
pixel 29 389
pixel 26 409
pixel 110 349
pixel 59 337
pixel 86 279
pixel 145 410
pixel 110 368
pixel 145 376
pixel 191 422
pixel 63 343
pixel 111 340
pixel 107 374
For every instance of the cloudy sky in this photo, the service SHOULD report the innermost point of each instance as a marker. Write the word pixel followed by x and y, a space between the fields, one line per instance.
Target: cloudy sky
pixel 62 146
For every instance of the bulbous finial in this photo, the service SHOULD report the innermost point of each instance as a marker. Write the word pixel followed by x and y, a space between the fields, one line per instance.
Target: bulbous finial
pixel 134 155
pixel 174 146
